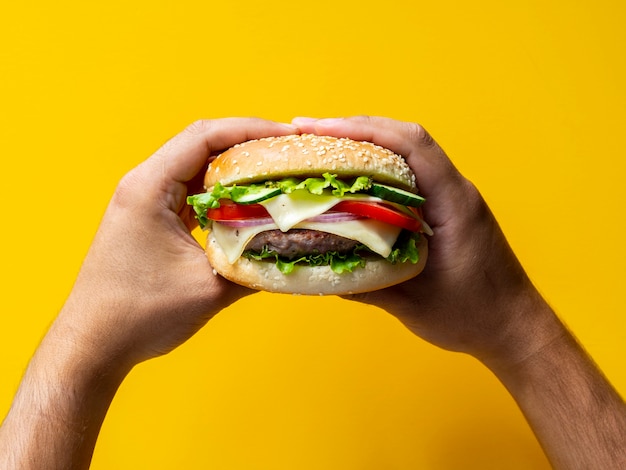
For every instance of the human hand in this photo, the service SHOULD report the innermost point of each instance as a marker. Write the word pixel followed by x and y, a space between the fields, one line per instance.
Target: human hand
pixel 473 296
pixel 146 285
pixel 144 288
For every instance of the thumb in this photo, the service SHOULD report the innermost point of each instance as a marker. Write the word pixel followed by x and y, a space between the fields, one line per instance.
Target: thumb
pixel 185 156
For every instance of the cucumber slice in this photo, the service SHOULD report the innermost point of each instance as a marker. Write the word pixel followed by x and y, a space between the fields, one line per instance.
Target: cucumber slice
pixel 253 194
pixel 396 195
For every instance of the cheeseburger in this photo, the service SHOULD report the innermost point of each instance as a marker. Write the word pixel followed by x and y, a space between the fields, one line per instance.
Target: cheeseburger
pixel 313 215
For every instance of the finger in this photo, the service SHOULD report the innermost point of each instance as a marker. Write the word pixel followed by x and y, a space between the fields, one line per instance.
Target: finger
pixel 380 130
pixel 165 177
pixel 426 158
pixel 185 155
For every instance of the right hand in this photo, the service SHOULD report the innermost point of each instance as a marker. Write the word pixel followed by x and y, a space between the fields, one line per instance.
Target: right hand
pixel 473 295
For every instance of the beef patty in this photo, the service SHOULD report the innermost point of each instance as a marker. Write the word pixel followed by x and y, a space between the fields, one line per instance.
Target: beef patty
pixel 299 242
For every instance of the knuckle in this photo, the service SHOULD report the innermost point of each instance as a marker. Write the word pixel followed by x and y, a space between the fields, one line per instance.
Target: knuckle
pixel 362 120
pixel 198 127
pixel 125 194
pixel 418 134
pixel 474 201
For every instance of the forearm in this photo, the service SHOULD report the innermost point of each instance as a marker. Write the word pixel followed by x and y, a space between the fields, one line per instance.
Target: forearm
pixel 577 416
pixel 59 408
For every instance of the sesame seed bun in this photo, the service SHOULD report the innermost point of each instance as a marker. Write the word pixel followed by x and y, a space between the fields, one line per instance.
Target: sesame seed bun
pixel 316 280
pixel 308 155
pixel 304 156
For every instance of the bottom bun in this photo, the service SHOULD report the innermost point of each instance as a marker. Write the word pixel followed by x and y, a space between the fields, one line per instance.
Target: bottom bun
pixel 314 280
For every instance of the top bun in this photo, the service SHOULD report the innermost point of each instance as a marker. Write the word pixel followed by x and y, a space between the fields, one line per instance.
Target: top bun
pixel 307 155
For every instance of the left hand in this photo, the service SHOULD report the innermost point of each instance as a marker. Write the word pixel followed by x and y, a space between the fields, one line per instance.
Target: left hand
pixel 146 285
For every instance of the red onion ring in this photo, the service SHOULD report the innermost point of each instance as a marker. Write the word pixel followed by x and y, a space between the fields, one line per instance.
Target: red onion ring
pixel 328 217
pixel 331 216
pixel 246 222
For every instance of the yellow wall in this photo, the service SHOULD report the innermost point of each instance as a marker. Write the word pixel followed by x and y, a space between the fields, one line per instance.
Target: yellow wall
pixel 528 97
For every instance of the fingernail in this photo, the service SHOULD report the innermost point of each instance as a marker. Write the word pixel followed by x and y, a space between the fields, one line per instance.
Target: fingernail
pixel 300 121
pixel 329 121
pixel 289 126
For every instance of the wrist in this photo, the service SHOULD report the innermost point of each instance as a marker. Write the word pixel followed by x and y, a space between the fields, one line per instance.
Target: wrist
pixel 84 333
pixel 532 327
pixel 74 372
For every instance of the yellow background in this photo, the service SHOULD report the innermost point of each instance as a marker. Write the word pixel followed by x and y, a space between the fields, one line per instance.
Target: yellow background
pixel 527 97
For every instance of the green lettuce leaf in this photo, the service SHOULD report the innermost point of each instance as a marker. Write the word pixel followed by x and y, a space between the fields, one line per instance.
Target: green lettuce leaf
pixel 200 204
pixel 338 262
pixel 405 248
pixel 318 185
pixel 210 200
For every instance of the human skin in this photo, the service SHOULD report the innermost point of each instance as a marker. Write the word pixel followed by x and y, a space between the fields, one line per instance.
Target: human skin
pixel 144 288
pixel 474 297
pixel 133 301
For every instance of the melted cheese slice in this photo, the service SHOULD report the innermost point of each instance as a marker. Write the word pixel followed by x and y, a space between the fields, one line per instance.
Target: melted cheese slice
pixel 233 240
pixel 287 210
pixel 377 236
pixel 292 211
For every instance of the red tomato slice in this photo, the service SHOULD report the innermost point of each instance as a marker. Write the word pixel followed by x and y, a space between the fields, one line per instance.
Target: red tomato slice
pixel 230 210
pixel 382 212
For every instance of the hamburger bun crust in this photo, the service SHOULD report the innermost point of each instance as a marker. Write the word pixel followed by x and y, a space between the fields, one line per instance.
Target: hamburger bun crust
pixel 307 155
pixel 316 280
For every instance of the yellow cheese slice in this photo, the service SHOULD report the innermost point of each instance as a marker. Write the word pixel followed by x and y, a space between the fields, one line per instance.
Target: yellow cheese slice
pixel 233 240
pixel 377 236
pixel 292 211
pixel 289 209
